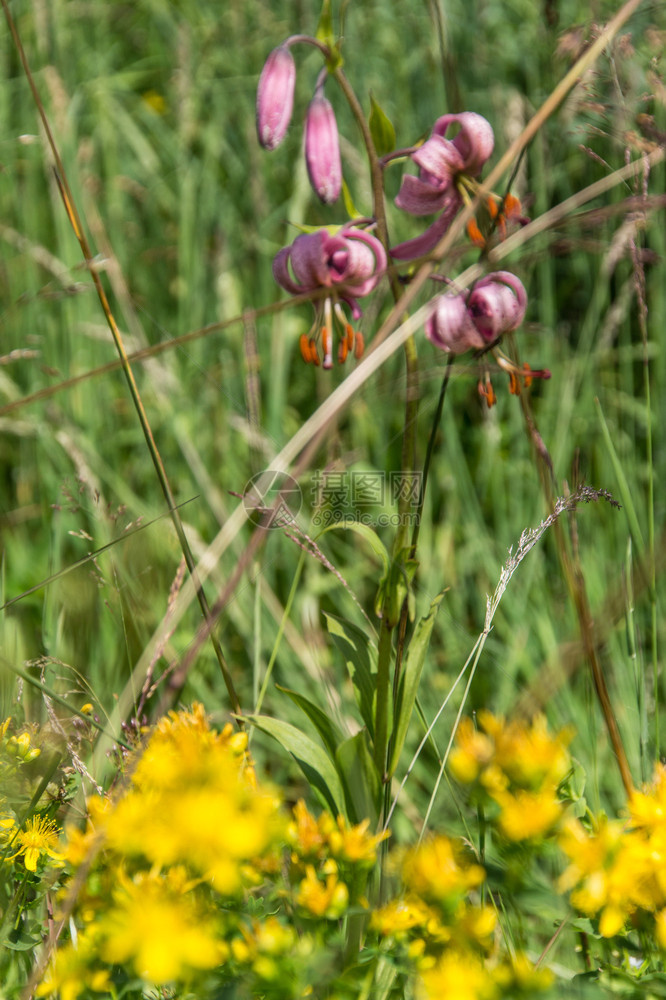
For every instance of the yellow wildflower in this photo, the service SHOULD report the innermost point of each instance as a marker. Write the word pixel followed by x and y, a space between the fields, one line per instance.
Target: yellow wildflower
pixel 612 873
pixel 20 747
pixel 647 809
pixel 157 926
pixel 72 971
pixel 458 976
pixel 439 869
pixel 39 836
pixel 477 924
pixel 305 832
pixel 527 753
pixel 400 916
pixel 472 753
pixel 354 843
pixel 193 800
pixel 527 815
pixel 323 900
pixel 261 945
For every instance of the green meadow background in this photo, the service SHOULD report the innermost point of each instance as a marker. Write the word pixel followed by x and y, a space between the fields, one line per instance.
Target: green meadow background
pixel 152 105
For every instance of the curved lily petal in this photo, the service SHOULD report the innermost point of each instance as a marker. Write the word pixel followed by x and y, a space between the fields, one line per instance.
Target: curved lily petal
pixel 475 141
pixel 427 241
pixel 366 261
pixel 450 325
pixel 440 158
pixel 310 253
pixel 441 161
pixel 418 197
pixel 281 272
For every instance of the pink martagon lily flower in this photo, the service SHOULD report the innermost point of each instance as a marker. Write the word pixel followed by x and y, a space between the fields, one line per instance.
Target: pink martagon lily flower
pixel 275 97
pixel 441 161
pixel 322 149
pixel 349 263
pixel 471 321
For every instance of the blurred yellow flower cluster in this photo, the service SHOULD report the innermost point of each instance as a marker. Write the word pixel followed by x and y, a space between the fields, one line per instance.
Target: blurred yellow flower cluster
pixel 185 833
pixel 617 869
pixel 332 855
pixel 195 867
pixel 446 929
pixel 515 769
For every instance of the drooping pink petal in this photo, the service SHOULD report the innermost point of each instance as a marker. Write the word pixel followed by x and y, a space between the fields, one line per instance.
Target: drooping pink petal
pixel 420 198
pixel 428 240
pixel 275 97
pixel 322 149
pixel 441 161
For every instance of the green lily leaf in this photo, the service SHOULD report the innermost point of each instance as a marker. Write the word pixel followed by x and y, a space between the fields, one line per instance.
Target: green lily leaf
pixel 360 657
pixel 381 129
pixel 366 532
pixel 360 780
pixel 312 759
pixel 350 207
pixel 331 735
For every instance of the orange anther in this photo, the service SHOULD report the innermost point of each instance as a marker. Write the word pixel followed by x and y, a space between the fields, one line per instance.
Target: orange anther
pixel 512 205
pixel 487 392
pixel 349 330
pixel 514 384
pixel 343 351
pixel 528 374
pixel 359 345
pixel 475 234
pixel 493 208
pixel 304 345
pixel 314 355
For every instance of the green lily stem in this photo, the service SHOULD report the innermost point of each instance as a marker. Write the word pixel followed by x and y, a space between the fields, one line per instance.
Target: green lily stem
pixel 430 449
pixel 384 656
pixel 402 626
pixel 384 685
pixel 376 173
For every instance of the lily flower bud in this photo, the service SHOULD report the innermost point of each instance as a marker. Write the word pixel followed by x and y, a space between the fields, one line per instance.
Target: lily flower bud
pixel 275 97
pixel 322 149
